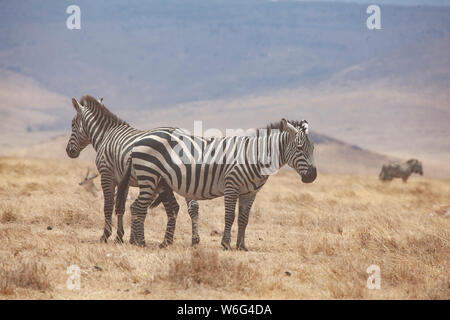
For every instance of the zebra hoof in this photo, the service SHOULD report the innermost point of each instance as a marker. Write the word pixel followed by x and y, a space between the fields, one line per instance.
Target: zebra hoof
pixel 103 239
pixel 118 240
pixel 137 243
pixel 195 241
pixel 164 244
pixel 241 247
pixel 226 245
pixel 141 244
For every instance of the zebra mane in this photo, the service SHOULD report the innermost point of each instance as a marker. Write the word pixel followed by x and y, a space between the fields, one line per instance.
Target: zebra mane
pixel 279 126
pixel 94 105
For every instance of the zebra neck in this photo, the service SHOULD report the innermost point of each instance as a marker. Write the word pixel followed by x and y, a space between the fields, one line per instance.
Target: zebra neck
pixel 98 128
pixel 283 140
pixel 272 150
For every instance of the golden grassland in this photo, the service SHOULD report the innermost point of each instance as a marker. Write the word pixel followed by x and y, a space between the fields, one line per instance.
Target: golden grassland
pixel 306 241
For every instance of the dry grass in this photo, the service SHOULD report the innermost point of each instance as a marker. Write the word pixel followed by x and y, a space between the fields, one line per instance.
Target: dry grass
pixel 205 268
pixel 305 241
pixel 7 214
pixel 23 274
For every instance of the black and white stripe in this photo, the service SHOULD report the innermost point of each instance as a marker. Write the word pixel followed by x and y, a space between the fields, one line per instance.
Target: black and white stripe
pixel 113 139
pixel 198 168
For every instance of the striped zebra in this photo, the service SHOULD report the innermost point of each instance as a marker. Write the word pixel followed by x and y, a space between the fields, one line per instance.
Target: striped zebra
pixel 113 139
pixel 197 168
pixel 400 170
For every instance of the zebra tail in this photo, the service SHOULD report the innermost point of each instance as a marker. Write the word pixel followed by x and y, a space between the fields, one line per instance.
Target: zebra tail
pixel 122 188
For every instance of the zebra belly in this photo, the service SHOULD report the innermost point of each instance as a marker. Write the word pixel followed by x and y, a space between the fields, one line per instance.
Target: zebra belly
pixel 214 191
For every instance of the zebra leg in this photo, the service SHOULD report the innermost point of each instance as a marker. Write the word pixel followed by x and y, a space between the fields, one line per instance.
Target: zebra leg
pixel 230 208
pixel 139 207
pixel 108 195
pixel 245 204
pixel 193 207
pixel 171 205
pixel 405 177
pixel 120 212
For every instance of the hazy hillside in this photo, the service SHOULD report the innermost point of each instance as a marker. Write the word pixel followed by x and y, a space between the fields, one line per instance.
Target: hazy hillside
pixel 29 112
pixel 158 53
pixel 332 156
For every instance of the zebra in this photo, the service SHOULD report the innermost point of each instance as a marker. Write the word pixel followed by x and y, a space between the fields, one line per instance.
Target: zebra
pixel 400 170
pixel 235 167
pixel 113 139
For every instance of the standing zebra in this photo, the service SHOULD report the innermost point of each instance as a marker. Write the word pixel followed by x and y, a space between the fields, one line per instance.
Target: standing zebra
pixel 400 170
pixel 198 168
pixel 113 139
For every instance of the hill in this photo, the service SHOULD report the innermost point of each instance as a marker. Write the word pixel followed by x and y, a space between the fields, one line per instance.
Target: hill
pixel 161 53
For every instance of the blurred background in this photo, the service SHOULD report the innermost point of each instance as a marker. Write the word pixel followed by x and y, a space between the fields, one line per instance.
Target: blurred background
pixel 370 96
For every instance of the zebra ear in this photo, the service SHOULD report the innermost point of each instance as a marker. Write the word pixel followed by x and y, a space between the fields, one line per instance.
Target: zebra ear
pixel 76 105
pixel 305 126
pixel 288 127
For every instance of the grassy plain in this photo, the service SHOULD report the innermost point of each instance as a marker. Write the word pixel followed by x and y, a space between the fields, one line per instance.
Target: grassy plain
pixel 306 241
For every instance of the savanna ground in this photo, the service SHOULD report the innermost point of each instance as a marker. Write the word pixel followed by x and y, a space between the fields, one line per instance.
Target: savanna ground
pixel 306 241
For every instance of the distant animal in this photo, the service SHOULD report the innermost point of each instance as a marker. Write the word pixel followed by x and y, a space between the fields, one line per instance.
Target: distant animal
pixel 113 140
pixel 235 167
pixel 88 183
pixel 400 170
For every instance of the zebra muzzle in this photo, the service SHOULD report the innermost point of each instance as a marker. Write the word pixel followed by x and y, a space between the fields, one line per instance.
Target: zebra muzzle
pixel 71 152
pixel 310 175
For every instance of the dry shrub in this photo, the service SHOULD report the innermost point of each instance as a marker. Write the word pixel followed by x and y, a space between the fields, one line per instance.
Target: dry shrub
pixel 206 268
pixel 123 264
pixel 328 223
pixel 401 273
pixel 430 249
pixel 7 214
pixel 379 240
pixel 440 292
pixel 325 247
pixel 346 279
pixel 23 274
pixel 72 217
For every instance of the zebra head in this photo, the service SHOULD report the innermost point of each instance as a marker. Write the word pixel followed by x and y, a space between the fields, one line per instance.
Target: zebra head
pixel 299 151
pixel 415 165
pixel 78 139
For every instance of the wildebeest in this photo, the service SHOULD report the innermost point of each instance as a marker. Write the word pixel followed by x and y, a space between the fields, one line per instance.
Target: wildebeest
pixel 400 170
